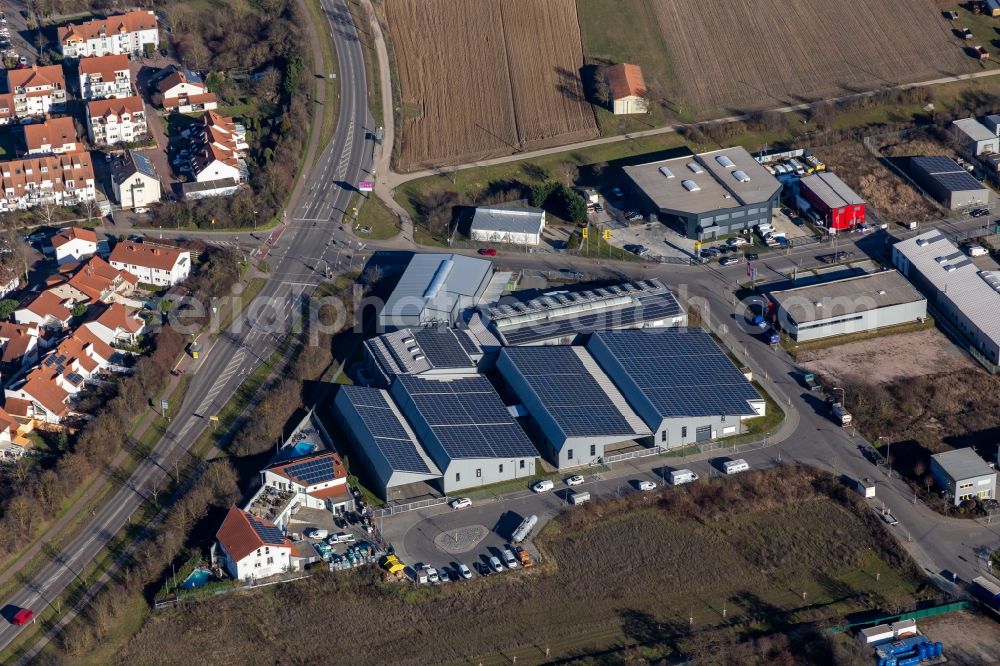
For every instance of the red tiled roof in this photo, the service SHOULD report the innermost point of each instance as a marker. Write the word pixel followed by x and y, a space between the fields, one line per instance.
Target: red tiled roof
pixel 117 316
pixel 148 255
pixel 339 471
pixel 332 492
pixel 199 98
pixel 17 406
pixel 100 108
pixel 77 346
pixel 94 278
pixel 176 78
pixel 18 337
pixel 55 169
pixel 72 233
pixel 106 66
pixel 239 537
pixel 7 422
pixel 42 388
pixel 119 23
pixel 35 76
pixel 55 132
pixel 626 80
pixel 6 106
pixel 47 304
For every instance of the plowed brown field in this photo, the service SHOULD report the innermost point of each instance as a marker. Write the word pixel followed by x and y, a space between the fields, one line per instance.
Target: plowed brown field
pixel 742 54
pixel 479 78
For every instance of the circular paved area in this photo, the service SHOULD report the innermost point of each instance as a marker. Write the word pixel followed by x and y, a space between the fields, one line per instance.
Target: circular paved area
pixel 460 540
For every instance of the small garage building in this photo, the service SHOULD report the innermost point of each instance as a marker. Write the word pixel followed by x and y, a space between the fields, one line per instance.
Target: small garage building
pixel 840 206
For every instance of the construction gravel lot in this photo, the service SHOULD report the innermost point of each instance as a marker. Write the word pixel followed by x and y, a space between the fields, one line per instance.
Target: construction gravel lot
pixel 969 639
pixel 887 358
pixel 743 54
pixel 481 78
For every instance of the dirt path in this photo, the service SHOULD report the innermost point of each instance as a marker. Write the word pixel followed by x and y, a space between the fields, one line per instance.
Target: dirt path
pixel 969 639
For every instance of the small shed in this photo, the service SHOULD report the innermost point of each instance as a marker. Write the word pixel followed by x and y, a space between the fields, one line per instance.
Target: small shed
pixel 627 89
pixel 993 7
pixel 876 635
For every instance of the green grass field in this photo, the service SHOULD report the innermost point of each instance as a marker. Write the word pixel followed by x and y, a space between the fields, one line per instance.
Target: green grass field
pixel 766 552
pixel 376 217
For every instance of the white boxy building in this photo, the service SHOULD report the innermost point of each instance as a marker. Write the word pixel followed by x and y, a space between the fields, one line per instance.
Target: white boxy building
pixel 159 265
pixel 252 548
pixel 505 224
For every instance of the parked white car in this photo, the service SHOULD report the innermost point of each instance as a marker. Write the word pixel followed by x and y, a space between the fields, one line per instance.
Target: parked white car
pixel 737 241
pixel 464 572
pixel 495 564
pixel 509 559
pixel 647 485
pixel 342 537
pixel 543 486
pixel 316 533
pixel 432 575
pixel 574 480
pixel 461 503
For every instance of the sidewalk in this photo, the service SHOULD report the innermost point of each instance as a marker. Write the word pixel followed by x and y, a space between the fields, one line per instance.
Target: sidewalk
pixel 96 487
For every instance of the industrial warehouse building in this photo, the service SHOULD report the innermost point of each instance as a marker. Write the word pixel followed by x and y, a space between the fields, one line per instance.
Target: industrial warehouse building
pixel 949 184
pixel 455 432
pixel 974 137
pixel 679 381
pixel 852 305
pixel 964 475
pixel 707 195
pixel 839 206
pixel 506 224
pixel 560 316
pixel 967 297
pixel 438 288
pixel 577 409
pixel 433 350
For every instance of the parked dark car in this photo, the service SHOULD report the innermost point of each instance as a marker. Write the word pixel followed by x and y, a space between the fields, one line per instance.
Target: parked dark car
pixel 751 256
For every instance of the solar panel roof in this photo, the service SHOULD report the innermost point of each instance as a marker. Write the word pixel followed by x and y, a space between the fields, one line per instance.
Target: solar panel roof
pixel 269 534
pixel 442 347
pixel 311 472
pixel 382 423
pixel 466 416
pixel 650 308
pixel 568 391
pixel 682 372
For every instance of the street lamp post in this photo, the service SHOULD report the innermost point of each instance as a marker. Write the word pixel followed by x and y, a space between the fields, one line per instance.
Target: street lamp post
pixel 255 220
pixel 843 396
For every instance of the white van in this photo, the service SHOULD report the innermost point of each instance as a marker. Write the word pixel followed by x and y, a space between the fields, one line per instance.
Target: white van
pixel 543 486
pixel 578 498
pixel 976 250
pixel 736 466
pixel 681 476
pixel 764 229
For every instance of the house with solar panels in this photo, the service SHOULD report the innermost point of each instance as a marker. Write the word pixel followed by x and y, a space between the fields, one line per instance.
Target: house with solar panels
pixel 438 288
pixel 251 548
pixel 679 381
pixel 315 481
pixel 466 430
pixel 577 410
pixel 429 351
pixel 561 316
pixel 384 443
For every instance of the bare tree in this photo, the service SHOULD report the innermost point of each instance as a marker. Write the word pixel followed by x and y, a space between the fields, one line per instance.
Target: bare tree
pixel 48 212
pixel 602 89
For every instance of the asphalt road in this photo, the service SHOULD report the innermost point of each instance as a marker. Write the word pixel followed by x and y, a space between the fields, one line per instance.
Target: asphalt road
pixel 254 335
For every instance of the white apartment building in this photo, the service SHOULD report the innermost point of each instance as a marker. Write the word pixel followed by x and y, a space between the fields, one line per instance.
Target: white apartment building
pixel 121 34
pixel 36 90
pixel 61 180
pixel 114 121
pixel 101 77
pixel 159 265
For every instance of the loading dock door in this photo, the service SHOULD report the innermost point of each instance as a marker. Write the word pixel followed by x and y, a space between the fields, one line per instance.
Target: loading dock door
pixel 703 433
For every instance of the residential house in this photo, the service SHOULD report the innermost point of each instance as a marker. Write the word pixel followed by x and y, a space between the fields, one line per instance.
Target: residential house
pixel 134 181
pixel 37 90
pixel 60 180
pixel 252 548
pixel 318 481
pixel 121 34
pixel 153 264
pixel 53 137
pixel 7 115
pixel 10 280
pixel 183 91
pixel 92 282
pixel 114 121
pixel 19 348
pixel 116 324
pixel 74 244
pixel 8 428
pixel 46 310
pixel 106 76
pixel 48 390
pixel 626 89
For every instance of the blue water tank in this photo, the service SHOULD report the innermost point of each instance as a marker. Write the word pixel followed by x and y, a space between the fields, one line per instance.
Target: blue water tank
pixel 910 661
pixel 938 649
pixel 922 650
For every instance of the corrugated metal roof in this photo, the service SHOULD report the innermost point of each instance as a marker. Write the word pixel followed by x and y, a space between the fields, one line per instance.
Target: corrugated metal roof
pixel 948 270
pixel 465 277
pixel 973 129
pixel 831 190
pixel 504 219
pixel 962 464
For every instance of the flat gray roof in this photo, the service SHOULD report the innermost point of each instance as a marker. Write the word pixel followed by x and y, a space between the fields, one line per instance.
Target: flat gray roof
pixel 974 129
pixel 976 293
pixel 509 219
pixel 726 178
pixel 962 464
pixel 850 295
pixel 831 190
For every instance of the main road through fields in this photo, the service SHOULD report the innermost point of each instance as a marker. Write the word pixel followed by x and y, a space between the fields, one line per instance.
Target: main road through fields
pixel 297 266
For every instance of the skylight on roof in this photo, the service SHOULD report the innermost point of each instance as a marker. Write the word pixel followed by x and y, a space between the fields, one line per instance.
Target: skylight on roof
pixel 695 167
pixel 691 186
pixel 724 161
pixel 666 172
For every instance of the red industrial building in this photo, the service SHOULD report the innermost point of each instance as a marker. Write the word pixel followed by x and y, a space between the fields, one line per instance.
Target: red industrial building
pixel 839 205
